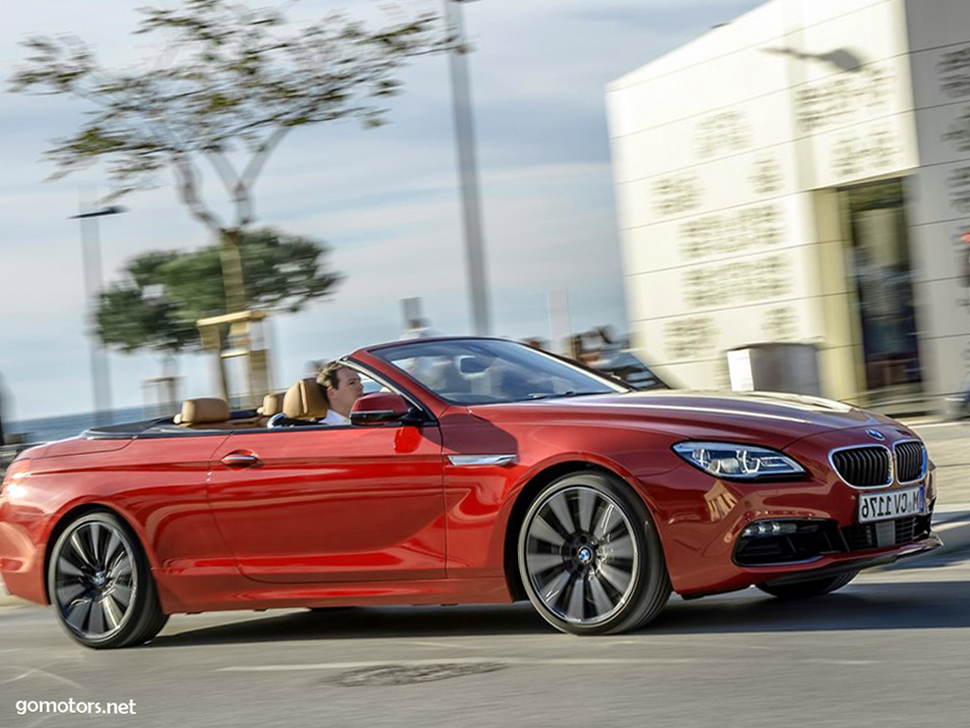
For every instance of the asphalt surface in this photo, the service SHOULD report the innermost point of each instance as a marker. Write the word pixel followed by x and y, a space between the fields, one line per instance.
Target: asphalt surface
pixel 891 649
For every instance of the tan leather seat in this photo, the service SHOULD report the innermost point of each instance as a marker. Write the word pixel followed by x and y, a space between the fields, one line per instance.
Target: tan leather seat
pixel 305 401
pixel 272 405
pixel 203 411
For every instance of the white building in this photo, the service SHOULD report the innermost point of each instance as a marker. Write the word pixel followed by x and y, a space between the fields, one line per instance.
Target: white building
pixel 803 174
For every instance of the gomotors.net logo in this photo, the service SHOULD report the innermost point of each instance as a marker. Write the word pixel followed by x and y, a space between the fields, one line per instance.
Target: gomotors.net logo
pixel 25 707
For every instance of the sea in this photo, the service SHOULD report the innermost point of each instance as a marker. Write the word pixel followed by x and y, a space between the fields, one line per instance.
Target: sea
pixel 46 429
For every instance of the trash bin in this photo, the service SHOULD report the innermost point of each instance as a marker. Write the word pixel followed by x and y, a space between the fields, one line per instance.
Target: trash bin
pixel 775 367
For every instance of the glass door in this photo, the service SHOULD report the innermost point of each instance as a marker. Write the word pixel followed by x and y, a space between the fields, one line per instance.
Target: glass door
pixel 881 275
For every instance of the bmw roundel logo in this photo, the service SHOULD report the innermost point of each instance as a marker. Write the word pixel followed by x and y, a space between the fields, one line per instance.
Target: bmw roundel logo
pixel 876 435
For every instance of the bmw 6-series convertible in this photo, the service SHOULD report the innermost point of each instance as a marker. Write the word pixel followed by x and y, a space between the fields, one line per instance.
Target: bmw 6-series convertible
pixel 475 471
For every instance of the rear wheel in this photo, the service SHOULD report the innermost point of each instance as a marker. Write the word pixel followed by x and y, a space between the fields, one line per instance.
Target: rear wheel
pixel 101 585
pixel 806 589
pixel 590 558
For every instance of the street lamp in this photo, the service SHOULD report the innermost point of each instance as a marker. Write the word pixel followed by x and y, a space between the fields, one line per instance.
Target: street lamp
pixel 467 168
pixel 91 257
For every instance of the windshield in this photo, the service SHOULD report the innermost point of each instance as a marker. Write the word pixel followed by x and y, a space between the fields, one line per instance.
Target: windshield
pixel 631 370
pixel 481 371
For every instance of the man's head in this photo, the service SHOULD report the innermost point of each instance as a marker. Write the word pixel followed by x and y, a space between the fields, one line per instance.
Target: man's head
pixel 342 385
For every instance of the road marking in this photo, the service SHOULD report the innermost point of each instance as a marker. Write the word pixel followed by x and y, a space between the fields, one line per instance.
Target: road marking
pixel 605 643
pixel 468 661
pixel 953 509
pixel 448 645
pixel 934 425
pixel 551 661
pixel 40 671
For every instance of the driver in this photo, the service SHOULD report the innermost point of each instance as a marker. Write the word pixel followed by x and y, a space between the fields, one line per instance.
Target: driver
pixel 341 385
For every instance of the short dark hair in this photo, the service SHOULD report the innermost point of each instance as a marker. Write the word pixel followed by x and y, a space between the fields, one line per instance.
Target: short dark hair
pixel 328 376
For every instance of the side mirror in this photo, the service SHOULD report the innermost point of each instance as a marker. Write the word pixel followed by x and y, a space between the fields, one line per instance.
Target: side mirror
pixel 382 408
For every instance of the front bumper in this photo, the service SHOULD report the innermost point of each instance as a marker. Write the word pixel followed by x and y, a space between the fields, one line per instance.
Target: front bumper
pixel 808 540
pixel 917 548
pixel 702 521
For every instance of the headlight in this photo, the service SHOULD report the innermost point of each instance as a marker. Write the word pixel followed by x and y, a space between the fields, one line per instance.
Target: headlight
pixel 741 462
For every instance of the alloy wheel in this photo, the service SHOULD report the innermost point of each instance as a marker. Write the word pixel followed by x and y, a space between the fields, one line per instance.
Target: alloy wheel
pixel 94 580
pixel 581 556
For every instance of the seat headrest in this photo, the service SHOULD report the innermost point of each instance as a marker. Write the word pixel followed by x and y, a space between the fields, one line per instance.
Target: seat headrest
pixel 305 401
pixel 272 405
pixel 204 409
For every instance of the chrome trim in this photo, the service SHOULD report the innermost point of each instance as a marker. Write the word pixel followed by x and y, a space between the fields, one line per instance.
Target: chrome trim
pixel 892 465
pixel 926 458
pixel 473 460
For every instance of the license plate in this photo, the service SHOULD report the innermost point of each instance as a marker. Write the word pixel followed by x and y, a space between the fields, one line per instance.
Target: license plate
pixel 893 504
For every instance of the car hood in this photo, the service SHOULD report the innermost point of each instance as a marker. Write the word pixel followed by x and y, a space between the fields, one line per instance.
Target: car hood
pixel 770 418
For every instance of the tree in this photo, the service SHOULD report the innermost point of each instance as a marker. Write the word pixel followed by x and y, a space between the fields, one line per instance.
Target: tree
pixel 231 84
pixel 163 293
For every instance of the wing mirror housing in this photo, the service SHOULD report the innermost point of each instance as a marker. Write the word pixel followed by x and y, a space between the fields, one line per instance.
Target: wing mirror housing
pixel 382 408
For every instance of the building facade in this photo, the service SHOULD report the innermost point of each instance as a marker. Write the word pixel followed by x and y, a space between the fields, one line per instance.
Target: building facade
pixel 802 174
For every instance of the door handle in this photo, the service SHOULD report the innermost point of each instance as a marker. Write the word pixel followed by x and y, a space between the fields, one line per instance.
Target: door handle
pixel 240 459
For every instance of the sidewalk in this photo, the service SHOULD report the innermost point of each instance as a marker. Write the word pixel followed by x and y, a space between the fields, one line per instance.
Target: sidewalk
pixel 7 601
pixel 948 445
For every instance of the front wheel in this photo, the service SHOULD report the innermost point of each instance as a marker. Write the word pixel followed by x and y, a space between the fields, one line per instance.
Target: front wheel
pixel 590 557
pixel 101 585
pixel 806 589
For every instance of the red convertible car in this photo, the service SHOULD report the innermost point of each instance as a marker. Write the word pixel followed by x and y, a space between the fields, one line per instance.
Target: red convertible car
pixel 479 471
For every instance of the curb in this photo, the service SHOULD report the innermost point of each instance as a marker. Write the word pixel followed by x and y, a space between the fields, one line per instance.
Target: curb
pixel 11 602
pixel 8 601
pixel 953 526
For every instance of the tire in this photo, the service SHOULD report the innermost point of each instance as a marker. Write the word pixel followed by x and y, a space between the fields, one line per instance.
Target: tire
pixel 807 589
pixel 101 585
pixel 590 558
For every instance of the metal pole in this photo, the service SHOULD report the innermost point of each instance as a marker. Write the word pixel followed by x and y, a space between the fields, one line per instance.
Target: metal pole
pixel 467 169
pixel 91 259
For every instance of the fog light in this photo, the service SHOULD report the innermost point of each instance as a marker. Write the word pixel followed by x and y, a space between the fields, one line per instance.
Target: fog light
pixel 769 528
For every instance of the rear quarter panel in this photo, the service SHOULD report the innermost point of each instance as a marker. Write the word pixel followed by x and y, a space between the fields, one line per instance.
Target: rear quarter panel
pixel 157 485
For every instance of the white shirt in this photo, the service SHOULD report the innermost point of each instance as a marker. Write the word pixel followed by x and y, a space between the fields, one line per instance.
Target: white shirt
pixel 334 418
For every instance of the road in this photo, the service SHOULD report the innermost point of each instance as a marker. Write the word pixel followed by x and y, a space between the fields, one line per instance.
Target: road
pixel 892 649
pixel 889 650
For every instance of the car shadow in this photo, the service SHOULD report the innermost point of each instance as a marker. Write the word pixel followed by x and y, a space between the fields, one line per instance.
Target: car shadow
pixel 362 623
pixel 863 606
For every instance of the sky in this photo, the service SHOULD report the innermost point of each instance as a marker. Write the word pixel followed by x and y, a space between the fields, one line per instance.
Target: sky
pixel 385 201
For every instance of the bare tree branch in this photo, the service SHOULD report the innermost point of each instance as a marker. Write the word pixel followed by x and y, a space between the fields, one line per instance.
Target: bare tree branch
pixel 231 79
pixel 258 160
pixel 189 193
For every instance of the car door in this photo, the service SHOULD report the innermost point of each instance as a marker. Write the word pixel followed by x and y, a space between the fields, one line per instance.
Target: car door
pixel 332 504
